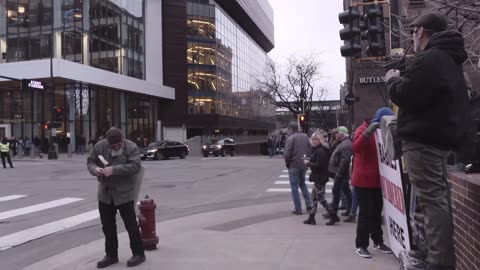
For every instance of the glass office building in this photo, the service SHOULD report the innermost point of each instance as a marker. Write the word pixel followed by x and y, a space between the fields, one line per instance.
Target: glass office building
pixel 224 63
pixel 95 48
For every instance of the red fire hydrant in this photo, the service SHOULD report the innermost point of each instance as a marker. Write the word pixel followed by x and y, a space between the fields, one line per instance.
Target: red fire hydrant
pixel 147 223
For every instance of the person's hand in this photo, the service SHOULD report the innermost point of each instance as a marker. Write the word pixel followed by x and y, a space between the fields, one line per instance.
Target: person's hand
pixel 108 171
pixel 371 128
pixel 392 73
pixel 99 171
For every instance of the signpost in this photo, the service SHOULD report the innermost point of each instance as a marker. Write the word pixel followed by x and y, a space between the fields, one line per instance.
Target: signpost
pixel 393 199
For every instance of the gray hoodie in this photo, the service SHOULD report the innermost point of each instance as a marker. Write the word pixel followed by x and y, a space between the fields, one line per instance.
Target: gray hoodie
pixel 340 159
pixel 296 147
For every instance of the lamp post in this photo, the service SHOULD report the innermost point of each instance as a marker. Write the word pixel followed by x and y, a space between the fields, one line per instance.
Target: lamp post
pixel 52 154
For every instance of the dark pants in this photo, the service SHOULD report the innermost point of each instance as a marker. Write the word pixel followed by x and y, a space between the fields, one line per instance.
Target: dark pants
pixel 339 186
pixel 6 155
pixel 109 227
pixel 427 171
pixel 369 224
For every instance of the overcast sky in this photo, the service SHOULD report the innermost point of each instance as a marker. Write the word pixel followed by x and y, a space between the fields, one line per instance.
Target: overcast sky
pixel 311 26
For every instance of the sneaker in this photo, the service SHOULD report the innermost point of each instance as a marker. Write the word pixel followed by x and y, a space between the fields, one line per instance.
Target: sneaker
pixel 345 214
pixel 382 248
pixel 363 252
pixel 296 213
pixel 350 219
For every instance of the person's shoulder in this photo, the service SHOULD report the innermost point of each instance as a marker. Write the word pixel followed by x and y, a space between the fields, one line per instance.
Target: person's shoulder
pixel 129 144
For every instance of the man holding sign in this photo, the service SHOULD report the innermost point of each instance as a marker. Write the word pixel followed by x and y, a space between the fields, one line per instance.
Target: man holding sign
pixel 432 98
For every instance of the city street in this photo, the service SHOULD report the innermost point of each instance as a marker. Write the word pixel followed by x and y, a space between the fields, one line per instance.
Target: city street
pixel 49 206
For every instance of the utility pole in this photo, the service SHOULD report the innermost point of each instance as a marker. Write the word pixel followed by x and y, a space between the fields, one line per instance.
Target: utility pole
pixel 52 154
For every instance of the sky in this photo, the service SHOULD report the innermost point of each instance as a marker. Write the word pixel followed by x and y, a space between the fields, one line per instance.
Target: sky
pixel 311 26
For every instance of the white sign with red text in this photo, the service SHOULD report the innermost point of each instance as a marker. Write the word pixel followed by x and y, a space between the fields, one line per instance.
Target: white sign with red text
pixel 393 199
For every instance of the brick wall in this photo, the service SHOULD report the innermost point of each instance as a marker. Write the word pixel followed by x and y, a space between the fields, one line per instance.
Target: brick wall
pixel 466 217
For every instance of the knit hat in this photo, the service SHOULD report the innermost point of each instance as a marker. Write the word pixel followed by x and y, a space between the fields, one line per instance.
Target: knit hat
pixel 343 130
pixel 114 136
pixel 293 126
pixel 432 22
pixel 381 113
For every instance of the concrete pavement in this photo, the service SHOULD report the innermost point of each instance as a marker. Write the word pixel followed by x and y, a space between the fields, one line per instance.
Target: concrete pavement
pixel 253 237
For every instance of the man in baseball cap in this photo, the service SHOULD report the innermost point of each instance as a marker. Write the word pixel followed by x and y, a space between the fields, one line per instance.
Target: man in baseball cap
pixel 432 121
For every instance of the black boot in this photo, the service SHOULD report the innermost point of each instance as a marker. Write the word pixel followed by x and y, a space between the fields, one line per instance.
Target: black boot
pixel 333 219
pixel 311 220
pixel 107 261
pixel 135 260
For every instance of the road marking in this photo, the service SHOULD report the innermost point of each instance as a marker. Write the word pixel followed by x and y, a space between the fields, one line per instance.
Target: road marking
pixel 288 183
pixel 289 190
pixel 286 176
pixel 287 171
pixel 18 238
pixel 11 197
pixel 37 207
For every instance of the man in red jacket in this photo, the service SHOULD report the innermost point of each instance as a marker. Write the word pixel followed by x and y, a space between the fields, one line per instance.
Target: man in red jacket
pixel 366 181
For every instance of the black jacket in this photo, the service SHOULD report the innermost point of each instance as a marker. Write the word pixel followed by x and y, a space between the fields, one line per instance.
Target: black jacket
pixel 432 96
pixel 319 164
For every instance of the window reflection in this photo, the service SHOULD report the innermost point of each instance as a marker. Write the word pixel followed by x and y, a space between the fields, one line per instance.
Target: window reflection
pixel 223 65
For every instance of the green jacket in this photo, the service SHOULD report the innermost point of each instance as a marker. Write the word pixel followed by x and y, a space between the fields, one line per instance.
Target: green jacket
pixel 124 184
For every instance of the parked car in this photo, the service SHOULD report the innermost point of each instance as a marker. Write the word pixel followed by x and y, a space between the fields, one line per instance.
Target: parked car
pixel 219 147
pixel 164 150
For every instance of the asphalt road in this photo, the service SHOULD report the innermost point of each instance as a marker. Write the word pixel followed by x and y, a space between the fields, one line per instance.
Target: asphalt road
pixel 47 207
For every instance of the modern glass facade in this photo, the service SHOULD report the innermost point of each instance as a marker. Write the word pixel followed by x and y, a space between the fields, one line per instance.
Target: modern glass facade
pixel 224 64
pixel 105 34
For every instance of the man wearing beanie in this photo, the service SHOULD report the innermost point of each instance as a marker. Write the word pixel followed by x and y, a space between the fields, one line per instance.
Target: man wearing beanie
pixel 366 184
pixel 338 167
pixel 433 104
pixel 116 163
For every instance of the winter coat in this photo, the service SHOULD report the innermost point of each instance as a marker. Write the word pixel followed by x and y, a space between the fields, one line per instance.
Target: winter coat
pixel 365 168
pixel 124 184
pixel 296 148
pixel 432 96
pixel 339 163
pixel 318 163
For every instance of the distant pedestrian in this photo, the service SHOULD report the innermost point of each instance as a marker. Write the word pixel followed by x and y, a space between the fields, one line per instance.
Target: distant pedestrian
pixel 339 165
pixel 37 147
pixel 14 146
pixel 81 144
pixel 270 146
pixel 433 120
pixel 28 146
pixel 318 163
pixel 296 149
pixel 145 142
pixel 5 152
pixel 366 181
pixel 117 190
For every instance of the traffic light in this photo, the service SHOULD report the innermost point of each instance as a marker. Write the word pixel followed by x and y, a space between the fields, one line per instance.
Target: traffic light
pixel 302 122
pixel 57 114
pixel 374 30
pixel 46 126
pixel 351 33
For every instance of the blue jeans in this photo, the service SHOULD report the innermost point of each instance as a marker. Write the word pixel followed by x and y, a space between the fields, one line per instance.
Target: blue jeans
pixel 297 179
pixel 353 211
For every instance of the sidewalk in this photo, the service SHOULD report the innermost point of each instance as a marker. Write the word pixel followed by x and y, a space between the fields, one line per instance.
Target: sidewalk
pixel 247 238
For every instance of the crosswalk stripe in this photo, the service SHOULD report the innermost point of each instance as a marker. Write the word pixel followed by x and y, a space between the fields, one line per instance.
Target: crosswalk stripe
pixel 37 207
pixel 11 197
pixel 289 190
pixel 288 183
pixel 286 171
pixel 286 176
pixel 15 239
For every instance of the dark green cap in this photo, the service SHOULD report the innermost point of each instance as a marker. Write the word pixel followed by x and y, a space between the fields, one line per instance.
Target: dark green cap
pixel 432 22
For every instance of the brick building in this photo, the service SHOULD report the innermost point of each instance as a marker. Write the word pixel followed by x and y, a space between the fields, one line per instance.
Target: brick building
pixel 368 84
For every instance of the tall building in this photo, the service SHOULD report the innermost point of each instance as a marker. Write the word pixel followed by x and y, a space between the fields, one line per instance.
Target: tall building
pixel 100 62
pixel 214 53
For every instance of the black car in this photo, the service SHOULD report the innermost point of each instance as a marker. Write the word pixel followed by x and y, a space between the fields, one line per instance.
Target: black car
pixel 164 150
pixel 219 147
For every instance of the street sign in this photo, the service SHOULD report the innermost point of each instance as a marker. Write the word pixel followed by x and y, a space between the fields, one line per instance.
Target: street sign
pixel 350 98
pixel 54 132
pixel 32 85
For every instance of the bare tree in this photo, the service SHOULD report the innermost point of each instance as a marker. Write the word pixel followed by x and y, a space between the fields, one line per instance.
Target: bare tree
pixel 293 87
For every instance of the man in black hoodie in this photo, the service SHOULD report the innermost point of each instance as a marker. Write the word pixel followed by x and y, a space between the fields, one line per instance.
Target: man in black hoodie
pixel 433 104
